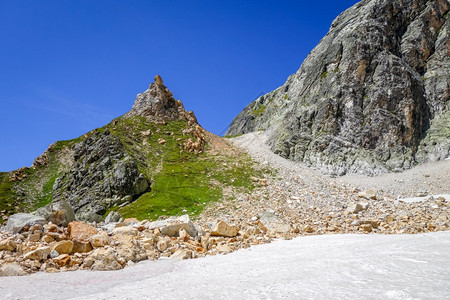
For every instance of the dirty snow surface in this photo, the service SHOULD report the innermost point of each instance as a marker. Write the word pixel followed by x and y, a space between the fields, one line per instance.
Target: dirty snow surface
pixel 314 267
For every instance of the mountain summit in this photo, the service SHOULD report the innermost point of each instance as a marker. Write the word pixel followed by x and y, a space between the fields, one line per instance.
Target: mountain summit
pixel 154 160
pixel 372 97
pixel 158 103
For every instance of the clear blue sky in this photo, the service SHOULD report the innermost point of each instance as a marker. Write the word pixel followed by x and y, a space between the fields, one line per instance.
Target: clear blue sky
pixel 67 67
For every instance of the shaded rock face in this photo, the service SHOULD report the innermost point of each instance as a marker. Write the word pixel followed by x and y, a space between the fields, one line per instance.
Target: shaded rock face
pixel 102 175
pixel 372 97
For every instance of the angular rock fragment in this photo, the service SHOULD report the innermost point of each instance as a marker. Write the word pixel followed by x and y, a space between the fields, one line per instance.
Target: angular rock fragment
pixel 172 226
pixel 39 254
pixel 181 254
pixel 270 222
pixel 18 221
pixel 223 229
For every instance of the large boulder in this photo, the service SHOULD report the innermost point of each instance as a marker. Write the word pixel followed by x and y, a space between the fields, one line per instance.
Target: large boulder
pixel 18 221
pixel 60 213
pixel 63 247
pixel 80 231
pixel 223 229
pixel 172 226
pixel 272 223
pixel 39 254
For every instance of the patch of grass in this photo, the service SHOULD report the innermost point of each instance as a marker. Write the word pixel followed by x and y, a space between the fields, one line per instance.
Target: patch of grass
pixel 259 111
pixel 8 196
pixel 232 136
pixel 47 192
pixel 182 182
pixel 324 75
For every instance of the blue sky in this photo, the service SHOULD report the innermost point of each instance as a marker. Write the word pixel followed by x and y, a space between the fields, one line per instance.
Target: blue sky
pixel 67 67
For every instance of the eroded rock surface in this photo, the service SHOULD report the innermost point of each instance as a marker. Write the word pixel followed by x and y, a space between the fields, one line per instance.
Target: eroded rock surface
pixel 371 97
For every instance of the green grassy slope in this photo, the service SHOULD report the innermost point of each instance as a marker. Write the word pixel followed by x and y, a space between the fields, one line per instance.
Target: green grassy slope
pixel 181 181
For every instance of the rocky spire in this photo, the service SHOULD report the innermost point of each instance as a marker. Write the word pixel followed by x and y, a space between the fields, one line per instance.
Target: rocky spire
pixel 157 102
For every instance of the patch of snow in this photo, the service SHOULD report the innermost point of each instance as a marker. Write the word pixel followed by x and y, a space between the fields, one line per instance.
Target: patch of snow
pixel 315 267
pixel 426 198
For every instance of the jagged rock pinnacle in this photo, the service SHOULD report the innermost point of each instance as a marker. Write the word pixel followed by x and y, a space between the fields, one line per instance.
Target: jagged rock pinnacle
pixel 157 103
pixel 158 80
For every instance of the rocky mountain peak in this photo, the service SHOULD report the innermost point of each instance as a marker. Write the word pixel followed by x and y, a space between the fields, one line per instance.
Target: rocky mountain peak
pixel 157 103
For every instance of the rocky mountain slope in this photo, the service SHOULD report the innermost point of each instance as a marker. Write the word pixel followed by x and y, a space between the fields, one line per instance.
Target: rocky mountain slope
pixel 154 160
pixel 372 97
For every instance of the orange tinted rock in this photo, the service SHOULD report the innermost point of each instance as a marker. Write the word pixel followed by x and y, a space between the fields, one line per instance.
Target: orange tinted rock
pixel 81 246
pixel 81 231
pixel 62 260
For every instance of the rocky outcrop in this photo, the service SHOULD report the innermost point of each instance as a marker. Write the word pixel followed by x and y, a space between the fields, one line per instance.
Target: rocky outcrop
pixel 103 174
pixel 157 103
pixel 372 97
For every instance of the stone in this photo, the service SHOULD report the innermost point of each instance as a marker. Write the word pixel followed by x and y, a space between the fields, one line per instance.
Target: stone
pixel 223 229
pixel 270 222
pixel 62 213
pixel 368 194
pixel 81 231
pixel 47 239
pixel 158 80
pixel 223 249
pixel 204 240
pixel 184 236
pixel 162 245
pixel 63 247
pixel 39 254
pixel 53 254
pixel 172 226
pixel 127 230
pixel 113 217
pixel 128 248
pixel 8 245
pixel 18 221
pixel 11 269
pixel 366 227
pixel 100 240
pixel 308 229
pixel 81 246
pixel 36 227
pixel 181 254
pixel 130 221
pixel 34 237
pixel 56 236
pixel 364 204
pixel 50 227
pixel 102 259
pixel 355 208
pixel 62 260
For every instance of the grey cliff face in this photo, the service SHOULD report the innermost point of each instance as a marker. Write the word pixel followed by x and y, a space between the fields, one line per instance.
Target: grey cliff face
pixel 103 175
pixel 372 97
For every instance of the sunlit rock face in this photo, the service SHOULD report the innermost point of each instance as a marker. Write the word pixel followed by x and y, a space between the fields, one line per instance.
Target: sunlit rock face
pixel 372 97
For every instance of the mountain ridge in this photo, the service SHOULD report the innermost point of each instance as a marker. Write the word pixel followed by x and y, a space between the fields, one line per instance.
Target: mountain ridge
pixel 154 160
